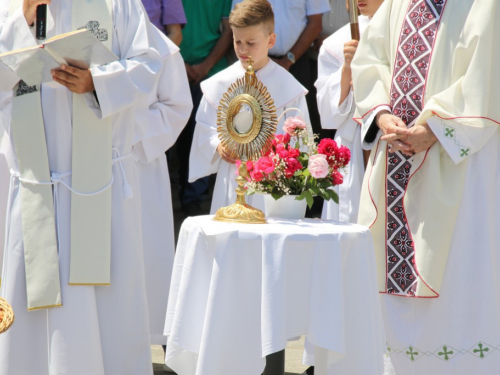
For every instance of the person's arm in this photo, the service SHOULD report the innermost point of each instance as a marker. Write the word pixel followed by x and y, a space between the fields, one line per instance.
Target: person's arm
pixel 121 84
pixel 174 33
pixel 306 39
pixel 204 158
pixel 173 18
pixel 164 117
pixel 199 71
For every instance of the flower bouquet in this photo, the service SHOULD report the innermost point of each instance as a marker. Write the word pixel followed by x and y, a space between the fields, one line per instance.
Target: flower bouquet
pixel 296 165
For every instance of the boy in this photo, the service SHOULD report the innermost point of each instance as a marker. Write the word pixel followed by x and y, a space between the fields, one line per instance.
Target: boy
pixel 252 23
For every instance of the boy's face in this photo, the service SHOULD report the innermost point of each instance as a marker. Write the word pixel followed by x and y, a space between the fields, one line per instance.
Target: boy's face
pixel 253 41
pixel 369 7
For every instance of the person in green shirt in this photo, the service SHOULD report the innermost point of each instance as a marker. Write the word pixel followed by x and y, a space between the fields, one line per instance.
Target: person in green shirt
pixel 205 40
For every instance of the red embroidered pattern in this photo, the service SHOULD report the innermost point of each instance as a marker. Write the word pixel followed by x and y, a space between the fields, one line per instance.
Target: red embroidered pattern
pixel 410 71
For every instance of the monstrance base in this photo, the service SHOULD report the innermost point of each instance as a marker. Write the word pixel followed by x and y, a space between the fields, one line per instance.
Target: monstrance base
pixel 240 213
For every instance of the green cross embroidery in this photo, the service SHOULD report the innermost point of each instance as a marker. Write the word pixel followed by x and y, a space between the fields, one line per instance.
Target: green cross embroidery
pixel 481 350
pixel 445 352
pixel 464 152
pixel 411 353
pixel 449 132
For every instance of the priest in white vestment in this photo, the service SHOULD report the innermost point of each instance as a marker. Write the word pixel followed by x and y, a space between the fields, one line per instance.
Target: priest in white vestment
pixel 162 116
pixel 98 330
pixel 426 86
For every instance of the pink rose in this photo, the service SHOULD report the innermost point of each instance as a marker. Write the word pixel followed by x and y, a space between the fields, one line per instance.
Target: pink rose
pixel 337 178
pixel 249 165
pixel 318 166
pixel 265 165
pixel 292 124
pixel 257 175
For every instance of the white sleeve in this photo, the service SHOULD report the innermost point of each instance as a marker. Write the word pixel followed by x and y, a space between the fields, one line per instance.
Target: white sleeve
pixel 14 34
pixel 459 141
pixel 122 83
pixel 163 121
pixel 328 88
pixel 204 159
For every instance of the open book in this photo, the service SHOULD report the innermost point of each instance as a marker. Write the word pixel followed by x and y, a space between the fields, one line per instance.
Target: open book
pixel 78 48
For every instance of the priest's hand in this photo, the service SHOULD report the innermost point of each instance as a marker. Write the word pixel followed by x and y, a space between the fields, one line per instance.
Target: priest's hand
pixel 394 132
pixel 420 138
pixel 29 9
pixel 78 81
pixel 224 154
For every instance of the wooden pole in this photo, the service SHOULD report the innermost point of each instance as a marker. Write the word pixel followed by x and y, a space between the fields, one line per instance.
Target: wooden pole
pixel 353 15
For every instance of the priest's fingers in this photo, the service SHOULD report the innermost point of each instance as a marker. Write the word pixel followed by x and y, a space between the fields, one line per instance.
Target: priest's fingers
pixel 400 146
pixel 395 134
pixel 80 83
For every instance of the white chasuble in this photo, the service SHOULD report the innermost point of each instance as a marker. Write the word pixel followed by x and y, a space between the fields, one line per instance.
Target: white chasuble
pixel 204 160
pixel 91 179
pixel 435 62
pixel 422 79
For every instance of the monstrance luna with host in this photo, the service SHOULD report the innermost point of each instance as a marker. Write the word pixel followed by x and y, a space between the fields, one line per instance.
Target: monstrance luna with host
pixel 246 123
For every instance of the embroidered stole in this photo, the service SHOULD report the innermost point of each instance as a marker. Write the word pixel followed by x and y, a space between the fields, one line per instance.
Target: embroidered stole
pixel 407 92
pixel 91 174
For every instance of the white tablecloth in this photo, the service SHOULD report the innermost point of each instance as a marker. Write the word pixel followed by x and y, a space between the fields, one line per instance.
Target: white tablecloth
pixel 239 292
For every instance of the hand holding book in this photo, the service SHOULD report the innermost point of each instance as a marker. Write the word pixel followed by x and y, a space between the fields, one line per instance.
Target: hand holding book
pixel 78 81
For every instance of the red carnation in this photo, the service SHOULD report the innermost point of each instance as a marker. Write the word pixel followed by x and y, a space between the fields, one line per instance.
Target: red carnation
pixel 293 152
pixel 344 155
pixel 328 147
pixel 337 178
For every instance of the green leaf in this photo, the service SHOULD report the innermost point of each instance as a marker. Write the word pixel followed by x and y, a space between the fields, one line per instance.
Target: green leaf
pixel 333 195
pixel 306 173
pixel 276 196
pixel 309 198
pixel 301 197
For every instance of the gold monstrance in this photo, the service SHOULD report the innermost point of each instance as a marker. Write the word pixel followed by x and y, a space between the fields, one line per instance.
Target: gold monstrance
pixel 246 123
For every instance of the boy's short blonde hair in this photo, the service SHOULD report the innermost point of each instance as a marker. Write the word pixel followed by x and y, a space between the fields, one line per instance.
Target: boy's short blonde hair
pixel 251 13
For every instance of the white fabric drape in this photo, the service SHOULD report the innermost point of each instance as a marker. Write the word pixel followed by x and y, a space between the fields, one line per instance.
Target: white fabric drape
pixel 238 293
pixel 163 116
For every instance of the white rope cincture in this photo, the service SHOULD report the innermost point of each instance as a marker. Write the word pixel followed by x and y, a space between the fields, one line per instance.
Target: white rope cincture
pixel 56 179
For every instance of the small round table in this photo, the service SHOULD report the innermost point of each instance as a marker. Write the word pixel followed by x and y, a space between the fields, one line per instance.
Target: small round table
pixel 240 291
